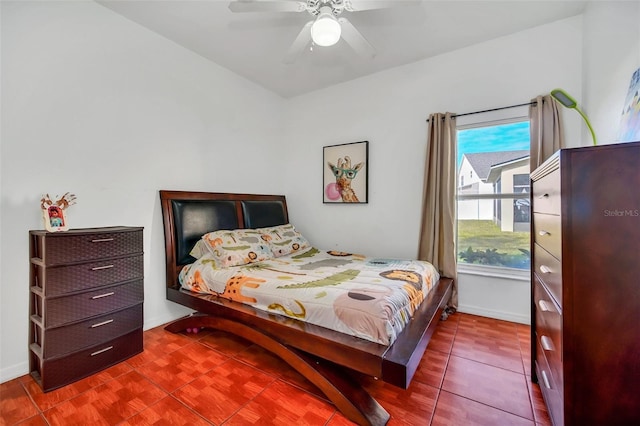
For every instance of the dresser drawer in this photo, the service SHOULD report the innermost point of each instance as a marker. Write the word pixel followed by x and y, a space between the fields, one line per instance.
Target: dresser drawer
pixel 56 372
pixel 547 233
pixel 65 310
pixel 77 246
pixel 548 327
pixel 552 392
pixel 63 340
pixel 56 281
pixel 546 194
pixel 549 270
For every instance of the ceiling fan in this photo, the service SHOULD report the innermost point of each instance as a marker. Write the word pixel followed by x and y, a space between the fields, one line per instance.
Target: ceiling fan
pixel 327 26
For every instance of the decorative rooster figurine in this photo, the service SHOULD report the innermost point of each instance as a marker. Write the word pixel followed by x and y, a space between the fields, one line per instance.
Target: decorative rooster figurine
pixel 53 212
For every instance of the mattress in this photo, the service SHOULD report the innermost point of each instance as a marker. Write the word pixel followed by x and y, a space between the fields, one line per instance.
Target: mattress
pixel 366 297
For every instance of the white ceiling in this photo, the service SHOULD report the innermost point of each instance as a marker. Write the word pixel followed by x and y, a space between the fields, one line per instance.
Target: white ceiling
pixel 254 44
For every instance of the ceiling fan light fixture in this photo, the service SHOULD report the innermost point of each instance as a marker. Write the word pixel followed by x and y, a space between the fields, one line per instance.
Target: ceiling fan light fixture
pixel 326 30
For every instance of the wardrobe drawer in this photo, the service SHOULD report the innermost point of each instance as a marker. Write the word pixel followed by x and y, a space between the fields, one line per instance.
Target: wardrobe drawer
pixel 547 232
pixel 546 194
pixel 548 326
pixel 56 281
pixel 64 310
pixel 56 372
pixel 549 271
pixel 77 246
pixel 62 340
pixel 552 392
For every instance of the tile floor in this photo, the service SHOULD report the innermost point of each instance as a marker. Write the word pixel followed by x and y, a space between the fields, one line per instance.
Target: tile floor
pixel 475 371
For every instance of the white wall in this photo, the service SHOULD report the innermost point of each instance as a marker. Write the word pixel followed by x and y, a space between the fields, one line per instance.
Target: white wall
pixel 611 55
pixel 503 298
pixel 97 105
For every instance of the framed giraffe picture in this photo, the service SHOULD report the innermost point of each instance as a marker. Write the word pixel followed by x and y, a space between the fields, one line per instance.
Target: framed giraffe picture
pixel 345 173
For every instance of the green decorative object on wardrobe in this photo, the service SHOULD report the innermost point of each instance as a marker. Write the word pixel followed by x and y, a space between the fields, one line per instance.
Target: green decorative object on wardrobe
pixel 566 100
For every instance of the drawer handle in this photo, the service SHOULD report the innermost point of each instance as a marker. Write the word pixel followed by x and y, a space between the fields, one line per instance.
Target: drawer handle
pixel 545 380
pixel 98 268
pixel 546 343
pixel 543 233
pixel 102 350
pixel 543 306
pixel 100 296
pixel 100 324
pixel 545 269
pixel 544 196
pixel 101 240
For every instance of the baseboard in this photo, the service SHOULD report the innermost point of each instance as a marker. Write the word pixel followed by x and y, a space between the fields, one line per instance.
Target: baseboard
pixel 505 316
pixel 150 323
pixel 14 371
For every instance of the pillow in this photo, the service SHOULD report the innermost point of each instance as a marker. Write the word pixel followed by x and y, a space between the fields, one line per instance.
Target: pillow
pixel 283 239
pixel 236 247
pixel 200 249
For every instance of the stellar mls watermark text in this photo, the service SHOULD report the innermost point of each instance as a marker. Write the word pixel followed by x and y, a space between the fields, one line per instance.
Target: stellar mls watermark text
pixel 621 213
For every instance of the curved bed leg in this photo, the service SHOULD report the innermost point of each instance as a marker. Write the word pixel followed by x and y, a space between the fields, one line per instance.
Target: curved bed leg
pixel 345 393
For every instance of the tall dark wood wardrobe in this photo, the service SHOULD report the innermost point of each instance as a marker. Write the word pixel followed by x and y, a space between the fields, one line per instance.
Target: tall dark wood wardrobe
pixel 586 284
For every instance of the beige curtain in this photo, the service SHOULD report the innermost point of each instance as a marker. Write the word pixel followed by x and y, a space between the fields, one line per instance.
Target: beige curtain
pixel 546 129
pixel 437 233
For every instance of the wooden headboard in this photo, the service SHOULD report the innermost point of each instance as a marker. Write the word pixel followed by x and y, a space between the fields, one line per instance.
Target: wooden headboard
pixel 188 216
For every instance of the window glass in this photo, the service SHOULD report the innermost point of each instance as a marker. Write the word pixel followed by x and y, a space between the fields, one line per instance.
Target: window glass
pixel 493 203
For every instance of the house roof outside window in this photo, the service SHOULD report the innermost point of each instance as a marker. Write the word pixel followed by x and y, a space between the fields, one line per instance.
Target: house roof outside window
pixel 483 162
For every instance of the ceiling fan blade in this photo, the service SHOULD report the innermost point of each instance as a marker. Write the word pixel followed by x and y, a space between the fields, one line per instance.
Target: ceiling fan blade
pixel 268 6
pixel 358 5
pixel 356 40
pixel 299 44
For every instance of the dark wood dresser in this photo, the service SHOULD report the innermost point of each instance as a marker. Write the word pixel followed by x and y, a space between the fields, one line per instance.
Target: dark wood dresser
pixel 86 300
pixel 586 284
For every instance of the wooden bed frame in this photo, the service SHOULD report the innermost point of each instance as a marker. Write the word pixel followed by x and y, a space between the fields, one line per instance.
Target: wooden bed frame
pixel 323 356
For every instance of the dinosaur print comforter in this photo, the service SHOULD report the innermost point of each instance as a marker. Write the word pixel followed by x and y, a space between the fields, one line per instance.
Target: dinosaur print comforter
pixel 365 297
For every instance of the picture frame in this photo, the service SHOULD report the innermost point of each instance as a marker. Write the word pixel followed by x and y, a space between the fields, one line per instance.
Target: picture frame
pixel 345 173
pixel 54 213
pixel 54 219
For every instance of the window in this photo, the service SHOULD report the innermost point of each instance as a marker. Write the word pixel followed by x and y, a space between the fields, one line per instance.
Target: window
pixel 493 207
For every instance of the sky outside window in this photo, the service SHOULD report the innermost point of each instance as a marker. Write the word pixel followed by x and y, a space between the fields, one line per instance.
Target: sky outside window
pixel 503 137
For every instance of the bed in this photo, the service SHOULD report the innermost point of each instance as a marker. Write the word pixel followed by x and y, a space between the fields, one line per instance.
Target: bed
pixel 329 359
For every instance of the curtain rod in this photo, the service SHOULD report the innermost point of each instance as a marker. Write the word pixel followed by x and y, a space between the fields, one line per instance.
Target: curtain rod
pixel 491 110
